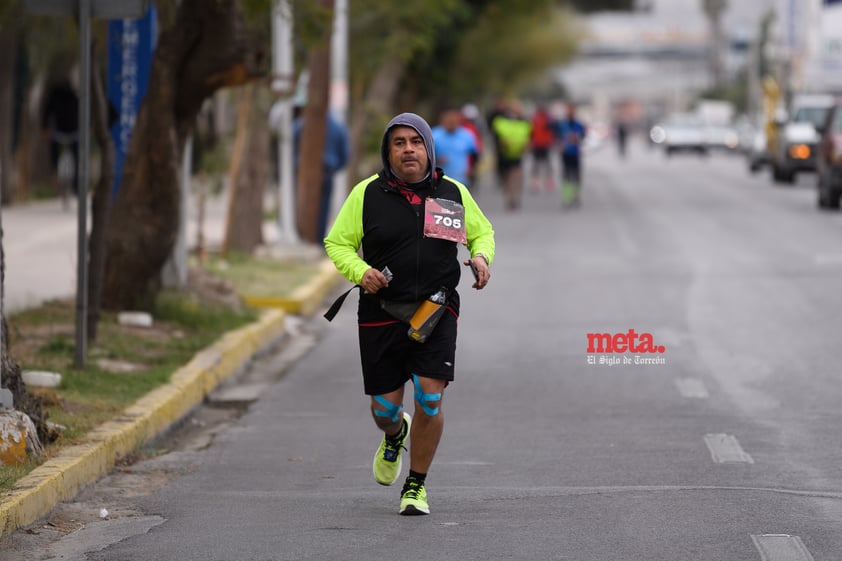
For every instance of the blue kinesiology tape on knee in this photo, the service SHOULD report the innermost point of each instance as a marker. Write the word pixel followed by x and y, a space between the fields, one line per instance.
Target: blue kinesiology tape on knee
pixel 392 411
pixel 422 398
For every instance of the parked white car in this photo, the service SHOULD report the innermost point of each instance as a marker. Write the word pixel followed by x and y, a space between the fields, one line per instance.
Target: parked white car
pixel 681 133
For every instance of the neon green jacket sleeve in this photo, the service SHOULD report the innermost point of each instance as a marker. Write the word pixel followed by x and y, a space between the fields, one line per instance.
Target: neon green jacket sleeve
pixel 342 243
pixel 478 229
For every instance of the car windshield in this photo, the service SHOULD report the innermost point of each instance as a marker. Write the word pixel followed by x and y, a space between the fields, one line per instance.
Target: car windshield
pixel 813 115
pixel 683 123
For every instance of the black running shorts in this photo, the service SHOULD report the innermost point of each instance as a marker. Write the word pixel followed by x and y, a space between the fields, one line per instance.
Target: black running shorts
pixel 390 358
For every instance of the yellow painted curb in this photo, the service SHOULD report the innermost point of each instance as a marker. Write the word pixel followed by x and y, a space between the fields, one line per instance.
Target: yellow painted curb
pixel 62 477
pixel 306 298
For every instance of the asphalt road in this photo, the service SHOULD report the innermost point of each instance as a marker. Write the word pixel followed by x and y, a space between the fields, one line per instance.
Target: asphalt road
pixel 724 447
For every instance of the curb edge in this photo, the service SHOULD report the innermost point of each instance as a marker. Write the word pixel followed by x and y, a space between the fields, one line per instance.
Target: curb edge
pixel 305 299
pixel 62 477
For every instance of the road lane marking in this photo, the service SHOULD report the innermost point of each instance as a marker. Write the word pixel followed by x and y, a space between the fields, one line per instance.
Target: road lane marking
pixel 781 547
pixel 725 449
pixel 692 388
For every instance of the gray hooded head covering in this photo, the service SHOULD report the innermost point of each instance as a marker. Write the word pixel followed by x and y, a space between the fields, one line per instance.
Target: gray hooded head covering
pixel 421 126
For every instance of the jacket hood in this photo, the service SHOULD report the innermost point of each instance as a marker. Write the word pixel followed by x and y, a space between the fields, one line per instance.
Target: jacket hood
pixel 422 127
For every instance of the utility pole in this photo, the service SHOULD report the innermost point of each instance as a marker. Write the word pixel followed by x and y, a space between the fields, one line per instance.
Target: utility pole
pixel 753 78
pixel 713 11
pixel 339 92
pixel 282 83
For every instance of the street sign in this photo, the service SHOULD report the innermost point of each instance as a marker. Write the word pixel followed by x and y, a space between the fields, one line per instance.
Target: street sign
pixel 131 45
pixel 102 9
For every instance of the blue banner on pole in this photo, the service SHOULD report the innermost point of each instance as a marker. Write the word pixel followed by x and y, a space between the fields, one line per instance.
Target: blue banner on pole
pixel 131 43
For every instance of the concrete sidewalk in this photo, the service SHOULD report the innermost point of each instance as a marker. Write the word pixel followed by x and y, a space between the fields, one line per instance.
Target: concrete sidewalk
pixel 40 249
pixel 40 244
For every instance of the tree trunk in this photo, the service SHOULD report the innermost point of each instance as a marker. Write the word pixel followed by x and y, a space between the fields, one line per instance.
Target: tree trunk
pixel 247 180
pixel 8 46
pixel 21 131
pixel 377 105
pixel 101 200
pixel 204 50
pixel 313 135
pixel 10 372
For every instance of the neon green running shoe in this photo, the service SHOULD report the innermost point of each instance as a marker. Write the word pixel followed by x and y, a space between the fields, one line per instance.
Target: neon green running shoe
pixel 387 460
pixel 414 499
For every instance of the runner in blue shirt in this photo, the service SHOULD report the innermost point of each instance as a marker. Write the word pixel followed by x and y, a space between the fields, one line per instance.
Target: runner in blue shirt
pixel 455 145
pixel 571 133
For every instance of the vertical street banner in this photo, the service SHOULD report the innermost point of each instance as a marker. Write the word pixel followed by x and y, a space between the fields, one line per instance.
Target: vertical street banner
pixel 131 43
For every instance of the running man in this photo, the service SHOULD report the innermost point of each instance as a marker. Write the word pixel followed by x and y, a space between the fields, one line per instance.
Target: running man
pixel 571 133
pixel 409 220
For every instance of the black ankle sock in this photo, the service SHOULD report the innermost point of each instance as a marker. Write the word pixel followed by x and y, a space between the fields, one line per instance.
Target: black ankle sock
pixel 419 477
pixel 401 433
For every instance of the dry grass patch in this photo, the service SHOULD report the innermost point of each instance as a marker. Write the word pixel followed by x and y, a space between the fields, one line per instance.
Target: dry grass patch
pixel 126 362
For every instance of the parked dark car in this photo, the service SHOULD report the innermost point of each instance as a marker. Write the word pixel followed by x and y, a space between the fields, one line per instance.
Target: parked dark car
pixel 829 159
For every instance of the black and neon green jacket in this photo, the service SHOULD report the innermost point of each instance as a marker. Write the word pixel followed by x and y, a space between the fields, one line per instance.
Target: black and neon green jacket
pixel 377 218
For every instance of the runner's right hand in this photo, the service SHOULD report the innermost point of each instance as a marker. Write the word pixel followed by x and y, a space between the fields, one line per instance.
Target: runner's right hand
pixel 373 280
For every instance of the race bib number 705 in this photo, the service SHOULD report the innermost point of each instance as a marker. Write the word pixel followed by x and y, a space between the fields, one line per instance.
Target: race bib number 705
pixel 445 220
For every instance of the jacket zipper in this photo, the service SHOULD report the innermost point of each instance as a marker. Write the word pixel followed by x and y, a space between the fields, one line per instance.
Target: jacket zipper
pixel 418 230
pixel 418 226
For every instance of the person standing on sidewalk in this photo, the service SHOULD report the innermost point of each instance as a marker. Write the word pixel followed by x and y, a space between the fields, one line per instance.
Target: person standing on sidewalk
pixel 334 157
pixel 409 220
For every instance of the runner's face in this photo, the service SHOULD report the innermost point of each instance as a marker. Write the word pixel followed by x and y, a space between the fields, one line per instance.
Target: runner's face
pixel 451 120
pixel 408 154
